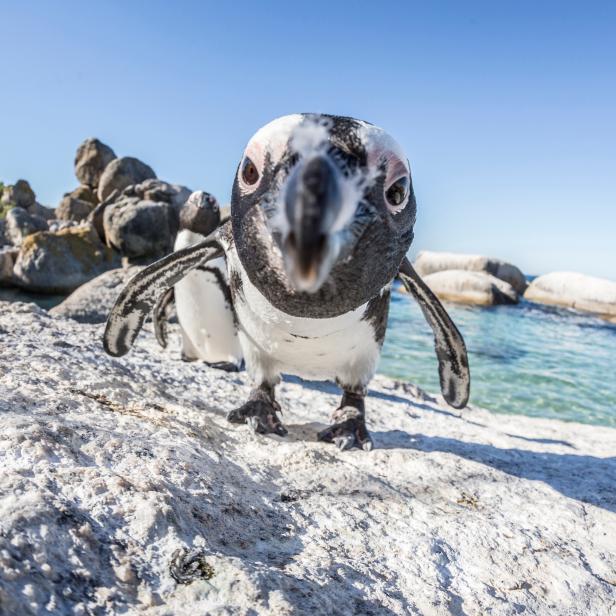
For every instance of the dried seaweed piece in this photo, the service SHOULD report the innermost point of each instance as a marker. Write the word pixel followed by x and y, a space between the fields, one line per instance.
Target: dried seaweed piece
pixel 189 565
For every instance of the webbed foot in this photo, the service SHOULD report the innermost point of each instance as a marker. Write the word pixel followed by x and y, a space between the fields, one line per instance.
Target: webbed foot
pixel 260 413
pixel 349 425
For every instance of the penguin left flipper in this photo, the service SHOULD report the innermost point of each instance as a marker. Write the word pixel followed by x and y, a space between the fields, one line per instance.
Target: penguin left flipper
pixel 141 293
pixel 450 349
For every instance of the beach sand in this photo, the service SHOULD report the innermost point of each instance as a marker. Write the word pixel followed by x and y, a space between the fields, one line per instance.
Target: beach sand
pixel 123 488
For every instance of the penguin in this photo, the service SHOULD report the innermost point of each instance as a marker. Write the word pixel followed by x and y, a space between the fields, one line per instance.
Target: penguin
pixel 322 216
pixel 210 335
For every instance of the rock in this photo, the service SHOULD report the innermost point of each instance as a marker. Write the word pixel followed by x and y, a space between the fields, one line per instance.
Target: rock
pixel 157 190
pixel 46 213
pixel 90 161
pixel 60 262
pixel 58 225
pixel 20 224
pixel 140 229
pixel 125 490
pixel 123 172
pixel 428 262
pixel 7 262
pixel 468 287
pixel 19 194
pixel 91 302
pixel 78 204
pixel 572 290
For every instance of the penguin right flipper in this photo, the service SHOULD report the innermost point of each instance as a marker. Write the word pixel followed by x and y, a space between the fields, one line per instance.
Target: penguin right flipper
pixel 142 292
pixel 450 349
pixel 160 315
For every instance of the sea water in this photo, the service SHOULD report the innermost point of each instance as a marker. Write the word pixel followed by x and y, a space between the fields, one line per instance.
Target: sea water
pixel 527 359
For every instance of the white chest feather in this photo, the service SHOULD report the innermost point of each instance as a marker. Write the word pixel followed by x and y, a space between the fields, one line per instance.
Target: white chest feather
pixel 341 348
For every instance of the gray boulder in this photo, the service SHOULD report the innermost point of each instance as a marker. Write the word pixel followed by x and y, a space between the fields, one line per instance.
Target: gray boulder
pixel 42 211
pixel 429 262
pixel 140 229
pixel 7 262
pixel 91 302
pixel 157 190
pixel 573 290
pixel 78 204
pixel 20 224
pixel 122 172
pixel 90 161
pixel 60 262
pixel 19 194
pixel 469 287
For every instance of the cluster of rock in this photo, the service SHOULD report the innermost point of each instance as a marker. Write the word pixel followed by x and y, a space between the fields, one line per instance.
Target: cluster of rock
pixel 471 279
pixel 478 280
pixel 119 210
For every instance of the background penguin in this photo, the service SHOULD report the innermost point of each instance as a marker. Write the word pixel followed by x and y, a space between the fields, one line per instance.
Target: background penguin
pixel 322 215
pixel 208 334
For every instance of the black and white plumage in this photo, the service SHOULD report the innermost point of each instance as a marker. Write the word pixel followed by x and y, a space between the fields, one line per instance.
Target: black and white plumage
pixel 322 215
pixel 209 335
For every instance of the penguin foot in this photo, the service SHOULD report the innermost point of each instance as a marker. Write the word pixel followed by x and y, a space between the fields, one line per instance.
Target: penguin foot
pixel 349 430
pixel 227 366
pixel 260 413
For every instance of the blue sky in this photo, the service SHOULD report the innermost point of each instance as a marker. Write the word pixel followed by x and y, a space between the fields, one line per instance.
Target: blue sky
pixel 507 110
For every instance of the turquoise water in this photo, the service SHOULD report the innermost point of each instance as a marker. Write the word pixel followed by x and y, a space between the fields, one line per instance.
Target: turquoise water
pixel 527 359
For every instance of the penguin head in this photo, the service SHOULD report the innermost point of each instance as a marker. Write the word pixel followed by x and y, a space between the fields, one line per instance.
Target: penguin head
pixel 200 214
pixel 319 201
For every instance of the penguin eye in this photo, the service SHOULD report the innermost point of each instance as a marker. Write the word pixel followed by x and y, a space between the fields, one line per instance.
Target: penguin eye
pixel 250 175
pixel 397 192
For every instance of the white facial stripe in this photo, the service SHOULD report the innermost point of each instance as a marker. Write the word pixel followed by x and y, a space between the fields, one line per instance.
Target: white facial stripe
pixel 271 139
pixel 274 137
pixel 382 147
pixel 309 137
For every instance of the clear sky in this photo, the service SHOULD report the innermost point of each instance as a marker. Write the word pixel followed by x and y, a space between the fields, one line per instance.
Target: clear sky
pixel 507 110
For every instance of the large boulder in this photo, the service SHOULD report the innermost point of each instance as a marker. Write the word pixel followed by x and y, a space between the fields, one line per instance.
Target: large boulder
pixel 20 224
pixel 157 190
pixel 92 302
pixel 60 262
pixel 573 290
pixel 42 211
pixel 140 229
pixel 19 194
pixel 469 287
pixel 90 161
pixel 429 262
pixel 8 255
pixel 142 222
pixel 122 172
pixel 78 204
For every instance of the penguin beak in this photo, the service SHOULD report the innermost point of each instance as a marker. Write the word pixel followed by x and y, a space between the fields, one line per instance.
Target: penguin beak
pixel 312 203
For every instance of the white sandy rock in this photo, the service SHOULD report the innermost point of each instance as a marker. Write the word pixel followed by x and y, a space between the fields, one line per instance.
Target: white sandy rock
pixel 468 287
pixel 428 262
pixel 573 290
pixel 124 490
